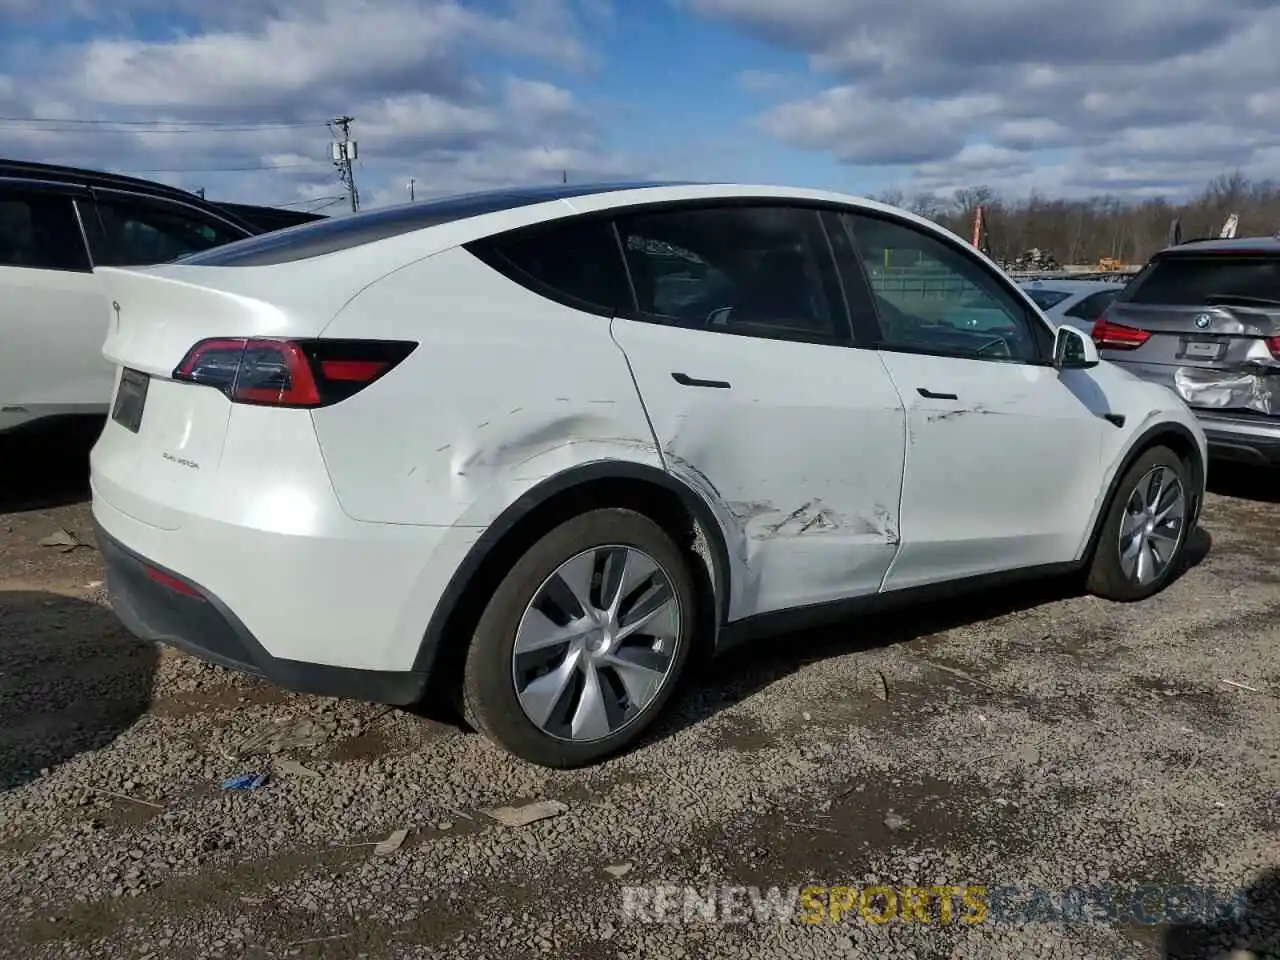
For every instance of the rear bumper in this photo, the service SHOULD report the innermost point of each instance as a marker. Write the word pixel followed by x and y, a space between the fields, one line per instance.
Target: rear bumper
pixel 160 605
pixel 1232 435
pixel 1242 439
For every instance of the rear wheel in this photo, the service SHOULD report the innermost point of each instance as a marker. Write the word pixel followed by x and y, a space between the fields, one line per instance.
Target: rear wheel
pixel 1145 531
pixel 583 642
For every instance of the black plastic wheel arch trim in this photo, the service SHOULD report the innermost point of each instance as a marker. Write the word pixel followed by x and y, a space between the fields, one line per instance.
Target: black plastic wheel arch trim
pixel 433 640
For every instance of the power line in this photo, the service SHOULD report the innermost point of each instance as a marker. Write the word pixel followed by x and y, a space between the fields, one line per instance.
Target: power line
pixel 103 125
pixel 293 203
pixel 326 205
pixel 264 166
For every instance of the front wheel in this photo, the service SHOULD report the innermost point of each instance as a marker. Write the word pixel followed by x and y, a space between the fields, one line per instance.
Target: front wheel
pixel 583 642
pixel 1145 531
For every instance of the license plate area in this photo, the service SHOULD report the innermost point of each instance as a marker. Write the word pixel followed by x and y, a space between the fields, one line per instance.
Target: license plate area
pixel 131 398
pixel 1193 349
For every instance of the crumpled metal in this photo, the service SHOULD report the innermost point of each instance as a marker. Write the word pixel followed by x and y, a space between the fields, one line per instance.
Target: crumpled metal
pixel 1243 388
pixel 1251 385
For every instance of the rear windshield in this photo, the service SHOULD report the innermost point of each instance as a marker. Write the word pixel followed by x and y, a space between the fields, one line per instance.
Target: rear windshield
pixel 1187 281
pixel 1044 299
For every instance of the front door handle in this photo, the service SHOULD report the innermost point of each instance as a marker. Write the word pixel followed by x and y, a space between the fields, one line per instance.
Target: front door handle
pixel 935 396
pixel 687 381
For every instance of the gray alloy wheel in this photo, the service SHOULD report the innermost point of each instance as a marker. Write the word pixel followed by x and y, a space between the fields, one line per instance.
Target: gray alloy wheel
pixel 597 643
pixel 1152 526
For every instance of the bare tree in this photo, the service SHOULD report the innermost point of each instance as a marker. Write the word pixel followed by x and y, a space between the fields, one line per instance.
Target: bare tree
pixel 1083 231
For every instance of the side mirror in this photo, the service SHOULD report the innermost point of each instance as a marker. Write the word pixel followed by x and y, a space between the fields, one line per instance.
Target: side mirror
pixel 1074 350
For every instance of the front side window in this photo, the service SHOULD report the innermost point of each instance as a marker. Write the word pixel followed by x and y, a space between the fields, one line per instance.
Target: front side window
pixel 127 232
pixel 39 231
pixel 757 271
pixel 932 297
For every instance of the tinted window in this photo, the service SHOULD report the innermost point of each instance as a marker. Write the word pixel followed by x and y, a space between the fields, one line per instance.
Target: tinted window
pixel 576 261
pixel 1091 307
pixel 1044 299
pixel 1187 281
pixel 39 230
pixel 128 232
pixel 763 271
pixel 933 297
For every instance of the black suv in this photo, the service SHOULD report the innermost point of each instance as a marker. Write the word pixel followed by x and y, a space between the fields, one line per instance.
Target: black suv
pixel 1204 319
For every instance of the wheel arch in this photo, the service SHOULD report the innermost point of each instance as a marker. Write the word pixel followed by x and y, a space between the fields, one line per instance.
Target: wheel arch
pixel 1178 438
pixel 675 506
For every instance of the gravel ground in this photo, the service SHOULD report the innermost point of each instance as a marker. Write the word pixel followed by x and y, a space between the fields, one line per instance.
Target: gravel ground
pixel 1030 739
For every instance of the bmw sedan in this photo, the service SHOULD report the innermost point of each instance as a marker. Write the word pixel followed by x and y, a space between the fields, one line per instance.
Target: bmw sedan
pixel 538 450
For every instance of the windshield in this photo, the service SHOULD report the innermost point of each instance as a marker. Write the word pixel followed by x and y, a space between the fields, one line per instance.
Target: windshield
pixel 1187 280
pixel 1044 299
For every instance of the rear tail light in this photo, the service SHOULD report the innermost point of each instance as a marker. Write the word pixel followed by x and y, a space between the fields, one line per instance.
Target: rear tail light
pixel 290 373
pixel 1116 336
pixel 1273 344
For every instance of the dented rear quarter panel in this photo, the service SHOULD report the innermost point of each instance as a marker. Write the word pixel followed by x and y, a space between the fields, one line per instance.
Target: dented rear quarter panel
pixel 485 428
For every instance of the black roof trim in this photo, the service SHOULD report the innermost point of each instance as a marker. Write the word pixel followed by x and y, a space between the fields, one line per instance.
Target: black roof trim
pixel 341 233
pixel 75 177
pixel 1243 245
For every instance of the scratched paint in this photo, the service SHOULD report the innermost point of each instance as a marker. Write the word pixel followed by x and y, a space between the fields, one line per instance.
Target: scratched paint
pixel 467 423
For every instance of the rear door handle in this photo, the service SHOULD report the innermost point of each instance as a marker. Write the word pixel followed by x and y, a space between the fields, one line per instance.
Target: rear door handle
pixel 935 396
pixel 687 381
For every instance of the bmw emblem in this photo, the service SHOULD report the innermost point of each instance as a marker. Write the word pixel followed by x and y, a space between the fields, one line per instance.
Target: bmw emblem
pixel 1203 321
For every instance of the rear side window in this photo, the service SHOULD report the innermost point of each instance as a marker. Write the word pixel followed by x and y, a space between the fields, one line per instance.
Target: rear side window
pixel 39 231
pixel 575 262
pixel 1187 280
pixel 1044 299
pixel 128 232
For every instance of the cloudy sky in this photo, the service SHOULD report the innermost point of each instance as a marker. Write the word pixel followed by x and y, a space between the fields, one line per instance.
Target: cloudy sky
pixel 1136 97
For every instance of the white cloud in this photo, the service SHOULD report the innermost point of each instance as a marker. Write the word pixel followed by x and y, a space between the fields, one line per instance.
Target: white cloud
pixel 1149 93
pixel 243 85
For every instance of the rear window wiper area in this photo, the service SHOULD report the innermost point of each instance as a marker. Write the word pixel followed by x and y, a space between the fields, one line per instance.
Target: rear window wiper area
pixel 1230 299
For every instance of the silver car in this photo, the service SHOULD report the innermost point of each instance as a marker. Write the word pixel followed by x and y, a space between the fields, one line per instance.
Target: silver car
pixel 1077 302
pixel 1204 319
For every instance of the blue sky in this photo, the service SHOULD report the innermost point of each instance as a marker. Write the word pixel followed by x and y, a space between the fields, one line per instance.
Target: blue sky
pixel 864 96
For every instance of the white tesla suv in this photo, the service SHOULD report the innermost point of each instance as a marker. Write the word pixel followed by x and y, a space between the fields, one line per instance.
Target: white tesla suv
pixel 536 449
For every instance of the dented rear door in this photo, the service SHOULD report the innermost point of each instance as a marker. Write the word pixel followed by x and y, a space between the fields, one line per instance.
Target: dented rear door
pixel 758 399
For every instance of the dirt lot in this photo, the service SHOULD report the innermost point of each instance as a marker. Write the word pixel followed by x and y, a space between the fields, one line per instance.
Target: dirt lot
pixel 1029 739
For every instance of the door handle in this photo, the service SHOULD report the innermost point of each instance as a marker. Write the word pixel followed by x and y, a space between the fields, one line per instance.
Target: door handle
pixel 687 381
pixel 935 396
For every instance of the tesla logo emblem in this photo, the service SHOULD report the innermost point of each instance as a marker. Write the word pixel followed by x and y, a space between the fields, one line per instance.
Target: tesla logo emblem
pixel 1203 320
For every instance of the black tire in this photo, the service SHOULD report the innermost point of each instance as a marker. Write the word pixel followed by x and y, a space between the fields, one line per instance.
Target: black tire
pixel 489 700
pixel 1105 576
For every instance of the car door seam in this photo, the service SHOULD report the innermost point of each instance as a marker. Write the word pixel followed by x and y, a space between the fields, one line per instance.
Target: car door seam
pixel 902 477
pixel 644 408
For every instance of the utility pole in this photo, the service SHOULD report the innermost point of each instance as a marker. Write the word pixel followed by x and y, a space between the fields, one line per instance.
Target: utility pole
pixel 412 181
pixel 200 192
pixel 344 151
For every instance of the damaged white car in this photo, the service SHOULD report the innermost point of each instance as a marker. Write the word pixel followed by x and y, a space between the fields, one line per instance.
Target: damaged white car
pixel 539 450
